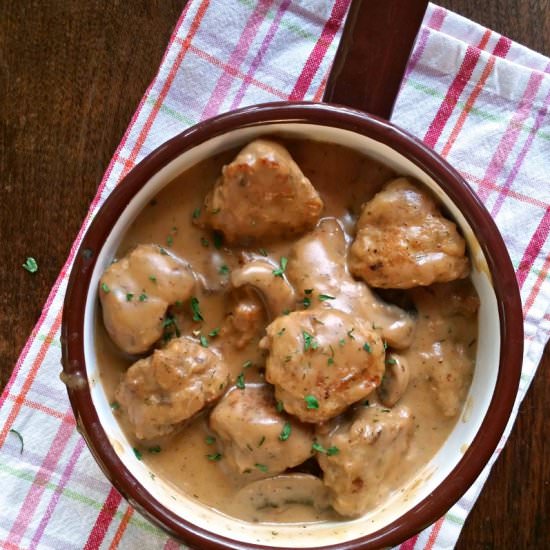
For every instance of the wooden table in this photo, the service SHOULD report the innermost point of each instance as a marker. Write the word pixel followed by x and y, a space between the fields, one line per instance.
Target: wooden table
pixel 73 73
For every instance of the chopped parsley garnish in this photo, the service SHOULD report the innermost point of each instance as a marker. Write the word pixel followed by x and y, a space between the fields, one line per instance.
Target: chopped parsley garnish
pixel 281 332
pixel 217 239
pixel 261 467
pixel 280 270
pixel 137 452
pixel 204 242
pixel 195 308
pixel 142 297
pixel 204 341
pixel 170 322
pixel 115 405
pixel 367 348
pixel 309 342
pixel 169 240
pixel 129 297
pixel 30 265
pixel 152 278
pixel 105 288
pixel 263 251
pixel 247 364
pixel 311 402
pixel 391 362
pixel 285 432
pixel 196 213
pixel 385 344
pixel 214 332
pixel 341 341
pixel 155 449
pixel 210 439
pixel 330 361
pixel 214 457
pixel 163 251
pixel 20 437
pixel 325 297
pixel 240 381
pixel 331 451
pixel 279 406
pixel 306 302
pixel 224 270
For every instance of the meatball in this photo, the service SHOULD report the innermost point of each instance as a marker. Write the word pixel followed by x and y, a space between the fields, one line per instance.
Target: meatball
pixel 446 350
pixel 256 439
pixel 318 271
pixel 135 293
pixel 361 458
pixel 322 361
pixel 404 241
pixel 160 392
pixel 261 195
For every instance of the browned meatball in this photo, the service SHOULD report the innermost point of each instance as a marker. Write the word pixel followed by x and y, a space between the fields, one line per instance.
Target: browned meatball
pixel 256 439
pixel 361 459
pixel 135 293
pixel 162 391
pixel 261 195
pixel 403 240
pixel 322 361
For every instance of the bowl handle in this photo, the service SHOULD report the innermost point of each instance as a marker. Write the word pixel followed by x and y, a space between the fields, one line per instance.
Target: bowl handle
pixel 372 56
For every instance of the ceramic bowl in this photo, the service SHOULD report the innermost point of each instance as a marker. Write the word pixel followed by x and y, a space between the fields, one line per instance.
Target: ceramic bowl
pixel 468 448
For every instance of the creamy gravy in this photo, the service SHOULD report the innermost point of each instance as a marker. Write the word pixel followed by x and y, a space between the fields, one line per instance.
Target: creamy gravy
pixel 345 180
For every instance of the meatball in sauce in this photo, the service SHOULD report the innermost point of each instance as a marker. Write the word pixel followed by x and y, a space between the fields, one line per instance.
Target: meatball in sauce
pixel 288 332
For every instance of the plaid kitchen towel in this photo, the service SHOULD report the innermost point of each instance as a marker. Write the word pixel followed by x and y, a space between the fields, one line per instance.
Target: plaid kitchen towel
pixel 477 98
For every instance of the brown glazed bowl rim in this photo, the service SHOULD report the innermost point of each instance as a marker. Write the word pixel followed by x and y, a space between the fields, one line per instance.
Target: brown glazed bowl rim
pixel 503 279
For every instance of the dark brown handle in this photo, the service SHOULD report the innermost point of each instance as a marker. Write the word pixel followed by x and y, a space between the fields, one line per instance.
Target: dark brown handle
pixel 370 62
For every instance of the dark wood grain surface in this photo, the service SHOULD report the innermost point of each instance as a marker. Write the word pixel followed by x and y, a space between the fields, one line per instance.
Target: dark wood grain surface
pixel 72 74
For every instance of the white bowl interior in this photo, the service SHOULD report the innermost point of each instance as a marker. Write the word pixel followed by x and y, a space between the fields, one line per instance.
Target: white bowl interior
pixel 419 487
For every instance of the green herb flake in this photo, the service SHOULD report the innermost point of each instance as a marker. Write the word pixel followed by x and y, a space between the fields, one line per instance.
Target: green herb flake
pixel 280 270
pixel 261 467
pixel 155 449
pixel 196 213
pixel 281 332
pixel 240 381
pixel 20 437
pixel 203 340
pixel 163 251
pixel 330 361
pixel 285 432
pixel 195 309
pixel 311 402
pixel 325 297
pixel 317 447
pixel 391 362
pixel 306 302
pixel 137 452
pixel 31 265
pixel 169 240
pixel 214 332
pixel 105 288
pixel 152 278
pixel 341 342
pixel 142 297
pixel 210 440
pixel 367 348
pixel 385 345
pixel 331 451
pixel 214 457
pixel 204 242
pixel 224 270
pixel 115 405
pixel 129 297
pixel 279 406
pixel 247 364
pixel 263 251
pixel 217 239
pixel 309 342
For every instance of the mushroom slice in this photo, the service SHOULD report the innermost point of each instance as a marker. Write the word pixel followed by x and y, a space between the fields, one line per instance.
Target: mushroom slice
pixel 286 497
pixel 395 380
pixel 278 293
